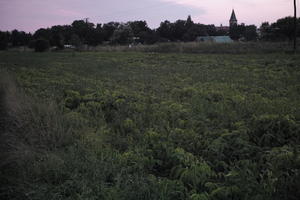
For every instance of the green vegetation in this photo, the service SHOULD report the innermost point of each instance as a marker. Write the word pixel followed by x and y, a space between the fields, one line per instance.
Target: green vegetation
pixel 128 125
pixel 203 48
pixel 41 45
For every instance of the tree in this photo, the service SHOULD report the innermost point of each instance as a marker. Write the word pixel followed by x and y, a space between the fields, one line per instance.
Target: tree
pixel 179 29
pixel 122 35
pixel 236 31
pixel 75 40
pixel 250 33
pixel 99 34
pixel 266 32
pixel 165 30
pixel 15 38
pixel 4 38
pixel 19 38
pixel 137 27
pixel 57 37
pixel 43 34
pixel 31 44
pixel 211 30
pixel 142 32
pixel 109 29
pixel 149 37
pixel 41 45
pixel 82 28
pixel 189 23
pixel 284 27
pixel 91 37
pixel 193 32
pixel 67 33
pixel 58 40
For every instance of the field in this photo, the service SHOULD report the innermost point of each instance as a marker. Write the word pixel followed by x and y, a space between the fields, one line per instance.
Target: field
pixel 136 125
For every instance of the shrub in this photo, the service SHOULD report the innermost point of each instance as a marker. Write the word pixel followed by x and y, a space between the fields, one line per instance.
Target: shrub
pixel 274 130
pixel 72 99
pixel 34 131
pixel 3 41
pixel 3 45
pixel 41 45
pixel 31 44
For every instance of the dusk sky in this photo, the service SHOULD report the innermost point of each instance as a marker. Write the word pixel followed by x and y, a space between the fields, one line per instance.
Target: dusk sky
pixel 29 15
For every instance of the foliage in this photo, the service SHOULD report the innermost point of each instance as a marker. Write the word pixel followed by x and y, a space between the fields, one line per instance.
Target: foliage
pixel 132 125
pixel 122 35
pixel 41 45
pixel 282 29
pixel 203 48
pixel 75 41
pixel 4 38
pixel 82 32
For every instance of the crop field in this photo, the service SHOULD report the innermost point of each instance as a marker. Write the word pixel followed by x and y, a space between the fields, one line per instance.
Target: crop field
pixel 157 126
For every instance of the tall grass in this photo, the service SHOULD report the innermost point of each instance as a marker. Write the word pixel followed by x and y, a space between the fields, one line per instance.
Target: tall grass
pixel 203 47
pixel 42 157
pixel 29 130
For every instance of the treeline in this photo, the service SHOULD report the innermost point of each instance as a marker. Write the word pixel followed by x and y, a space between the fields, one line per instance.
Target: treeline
pixel 82 32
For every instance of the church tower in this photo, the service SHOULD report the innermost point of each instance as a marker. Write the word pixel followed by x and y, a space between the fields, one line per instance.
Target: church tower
pixel 233 20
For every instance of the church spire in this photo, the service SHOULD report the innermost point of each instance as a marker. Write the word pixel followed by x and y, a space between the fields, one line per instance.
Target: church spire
pixel 233 20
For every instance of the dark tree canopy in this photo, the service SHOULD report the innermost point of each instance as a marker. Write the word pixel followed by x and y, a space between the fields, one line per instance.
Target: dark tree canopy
pixel 122 35
pixel 250 33
pixel 108 30
pixel 41 45
pixel 282 29
pixel 4 39
pixel 82 32
pixel 19 38
pixel 165 30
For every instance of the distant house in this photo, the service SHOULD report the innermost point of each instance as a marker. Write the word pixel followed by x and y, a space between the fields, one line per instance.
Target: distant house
pixel 215 39
pixel 223 28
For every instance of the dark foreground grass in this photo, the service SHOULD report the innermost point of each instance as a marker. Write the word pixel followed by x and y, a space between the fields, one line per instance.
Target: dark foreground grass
pixel 149 126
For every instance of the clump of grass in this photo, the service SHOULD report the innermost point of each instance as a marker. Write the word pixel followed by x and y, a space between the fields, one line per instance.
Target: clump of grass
pixel 30 129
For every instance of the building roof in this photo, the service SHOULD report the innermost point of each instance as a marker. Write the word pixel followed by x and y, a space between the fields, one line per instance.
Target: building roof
pixel 233 17
pixel 216 39
pixel 222 28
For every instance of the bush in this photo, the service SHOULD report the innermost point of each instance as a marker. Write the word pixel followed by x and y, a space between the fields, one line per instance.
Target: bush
pixel 31 133
pixel 72 99
pixel 274 130
pixel 42 45
pixel 31 44
pixel 3 41
pixel 3 45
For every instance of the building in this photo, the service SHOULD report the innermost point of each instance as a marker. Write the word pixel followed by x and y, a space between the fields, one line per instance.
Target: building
pixel 233 21
pixel 222 28
pixel 214 39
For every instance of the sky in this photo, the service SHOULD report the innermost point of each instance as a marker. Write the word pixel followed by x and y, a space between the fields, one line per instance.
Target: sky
pixel 30 15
